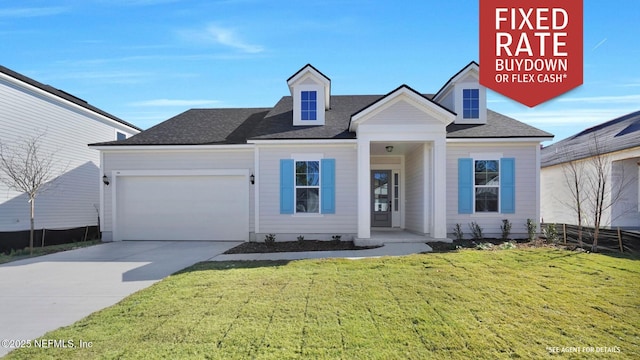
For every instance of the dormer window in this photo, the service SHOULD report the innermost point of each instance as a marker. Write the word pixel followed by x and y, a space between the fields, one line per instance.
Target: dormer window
pixel 309 105
pixel 470 103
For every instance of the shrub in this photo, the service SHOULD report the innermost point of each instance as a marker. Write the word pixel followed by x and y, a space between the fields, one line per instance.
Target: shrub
pixel 484 246
pixel 506 229
pixel 531 229
pixel 508 245
pixel 300 238
pixel 270 239
pixel 551 233
pixel 476 231
pixel 457 231
pixel 336 238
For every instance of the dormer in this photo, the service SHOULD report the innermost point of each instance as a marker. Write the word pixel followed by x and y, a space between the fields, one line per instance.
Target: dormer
pixel 311 93
pixel 464 95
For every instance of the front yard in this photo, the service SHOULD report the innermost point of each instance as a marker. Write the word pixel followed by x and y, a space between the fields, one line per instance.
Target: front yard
pixel 525 303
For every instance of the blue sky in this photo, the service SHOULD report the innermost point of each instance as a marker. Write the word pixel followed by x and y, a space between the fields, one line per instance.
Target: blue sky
pixel 148 60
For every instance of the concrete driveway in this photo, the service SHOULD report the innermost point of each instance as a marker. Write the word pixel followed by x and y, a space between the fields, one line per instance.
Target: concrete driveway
pixel 44 293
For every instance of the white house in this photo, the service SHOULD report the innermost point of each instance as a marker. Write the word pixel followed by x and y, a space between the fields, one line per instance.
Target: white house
pixel 616 143
pixel 67 125
pixel 317 164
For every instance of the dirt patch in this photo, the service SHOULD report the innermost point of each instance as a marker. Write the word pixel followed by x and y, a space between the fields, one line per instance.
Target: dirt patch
pixel 295 246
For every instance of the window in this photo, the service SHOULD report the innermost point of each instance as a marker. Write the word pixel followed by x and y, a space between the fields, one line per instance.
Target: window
pixel 120 136
pixel 309 105
pixel 307 187
pixel 471 103
pixel 486 185
pixel 396 191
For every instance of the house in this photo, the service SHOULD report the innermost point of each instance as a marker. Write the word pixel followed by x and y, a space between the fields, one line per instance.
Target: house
pixel 317 165
pixel 615 144
pixel 66 125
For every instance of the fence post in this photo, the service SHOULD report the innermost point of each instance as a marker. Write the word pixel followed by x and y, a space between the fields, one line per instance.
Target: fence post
pixel 620 240
pixel 564 233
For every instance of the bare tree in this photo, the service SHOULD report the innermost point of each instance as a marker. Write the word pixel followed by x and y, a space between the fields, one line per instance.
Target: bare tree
pixel 26 167
pixel 574 178
pixel 592 190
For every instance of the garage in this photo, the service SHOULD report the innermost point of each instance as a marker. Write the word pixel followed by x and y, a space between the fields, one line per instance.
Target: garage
pixel 182 206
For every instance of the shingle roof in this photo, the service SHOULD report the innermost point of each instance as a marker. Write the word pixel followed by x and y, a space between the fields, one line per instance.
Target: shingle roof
pixel 236 126
pixel 64 95
pixel 614 135
pixel 497 126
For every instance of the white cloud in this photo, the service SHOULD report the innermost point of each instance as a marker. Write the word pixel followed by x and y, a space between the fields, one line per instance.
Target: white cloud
pixel 222 36
pixel 31 12
pixel 176 102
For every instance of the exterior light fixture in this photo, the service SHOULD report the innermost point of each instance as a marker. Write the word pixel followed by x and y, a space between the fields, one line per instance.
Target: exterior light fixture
pixel 105 180
pixel 252 179
pixel 389 148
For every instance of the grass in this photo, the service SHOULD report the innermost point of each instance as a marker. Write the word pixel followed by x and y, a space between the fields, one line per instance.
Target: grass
pixel 467 304
pixel 39 251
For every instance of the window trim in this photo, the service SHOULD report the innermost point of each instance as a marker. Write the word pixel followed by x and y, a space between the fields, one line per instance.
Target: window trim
pixel 313 102
pixel 475 100
pixel 498 186
pixel 296 186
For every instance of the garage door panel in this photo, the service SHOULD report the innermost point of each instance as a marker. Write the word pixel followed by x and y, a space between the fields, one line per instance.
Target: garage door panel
pixel 211 207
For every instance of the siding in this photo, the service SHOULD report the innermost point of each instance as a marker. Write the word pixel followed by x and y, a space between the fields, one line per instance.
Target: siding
pixel 210 159
pixel 343 222
pixel 525 180
pixel 415 183
pixel 73 199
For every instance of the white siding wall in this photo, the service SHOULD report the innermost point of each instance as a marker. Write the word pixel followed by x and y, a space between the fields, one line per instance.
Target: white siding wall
pixel 74 199
pixel 322 227
pixel 526 197
pixel 210 159
pixel 415 183
pixel 557 204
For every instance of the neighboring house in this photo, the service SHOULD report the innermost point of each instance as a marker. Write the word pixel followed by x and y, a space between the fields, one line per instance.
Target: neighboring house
pixel 67 124
pixel 318 164
pixel 617 144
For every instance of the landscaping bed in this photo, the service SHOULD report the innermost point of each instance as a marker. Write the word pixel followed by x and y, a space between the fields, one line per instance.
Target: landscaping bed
pixel 295 246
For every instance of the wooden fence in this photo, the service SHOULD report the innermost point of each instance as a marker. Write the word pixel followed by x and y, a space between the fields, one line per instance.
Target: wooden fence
pixel 608 239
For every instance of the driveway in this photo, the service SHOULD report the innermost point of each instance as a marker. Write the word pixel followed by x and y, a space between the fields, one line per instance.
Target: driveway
pixel 42 294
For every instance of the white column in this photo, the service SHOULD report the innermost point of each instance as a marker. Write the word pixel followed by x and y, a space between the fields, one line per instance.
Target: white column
pixel 364 186
pixel 439 173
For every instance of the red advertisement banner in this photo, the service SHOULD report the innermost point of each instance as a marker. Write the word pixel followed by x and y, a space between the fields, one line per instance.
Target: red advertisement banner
pixel 531 51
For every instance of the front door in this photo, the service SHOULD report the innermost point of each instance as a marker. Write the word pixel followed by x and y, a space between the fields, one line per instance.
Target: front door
pixel 381 198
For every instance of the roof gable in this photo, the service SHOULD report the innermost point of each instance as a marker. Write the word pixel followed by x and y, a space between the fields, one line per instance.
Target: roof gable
pixel 472 69
pixel 402 93
pixel 309 74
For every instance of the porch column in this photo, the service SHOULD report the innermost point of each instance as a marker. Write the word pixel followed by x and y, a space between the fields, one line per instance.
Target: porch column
pixel 364 189
pixel 439 173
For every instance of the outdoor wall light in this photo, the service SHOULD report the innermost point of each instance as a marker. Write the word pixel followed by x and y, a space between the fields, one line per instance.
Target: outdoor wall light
pixel 389 148
pixel 105 180
pixel 252 178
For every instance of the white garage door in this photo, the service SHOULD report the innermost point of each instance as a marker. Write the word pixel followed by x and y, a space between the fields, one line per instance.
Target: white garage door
pixel 193 207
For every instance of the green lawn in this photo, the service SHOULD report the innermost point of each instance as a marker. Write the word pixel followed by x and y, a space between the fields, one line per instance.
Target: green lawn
pixel 460 305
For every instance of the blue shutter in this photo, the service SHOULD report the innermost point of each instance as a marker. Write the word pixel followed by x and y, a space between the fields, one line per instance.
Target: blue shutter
pixel 465 186
pixel 286 186
pixel 328 182
pixel 508 185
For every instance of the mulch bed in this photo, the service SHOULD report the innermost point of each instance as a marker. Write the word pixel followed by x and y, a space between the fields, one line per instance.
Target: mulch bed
pixel 439 246
pixel 295 246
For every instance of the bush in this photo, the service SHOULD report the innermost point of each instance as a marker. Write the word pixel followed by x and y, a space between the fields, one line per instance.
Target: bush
pixel 336 238
pixel 531 229
pixel 484 246
pixel 476 231
pixel 300 238
pixel 508 245
pixel 551 233
pixel 270 239
pixel 506 229
pixel 457 231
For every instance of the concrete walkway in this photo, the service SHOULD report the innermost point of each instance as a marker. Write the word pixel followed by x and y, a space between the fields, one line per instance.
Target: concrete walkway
pixel 389 249
pixel 44 293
